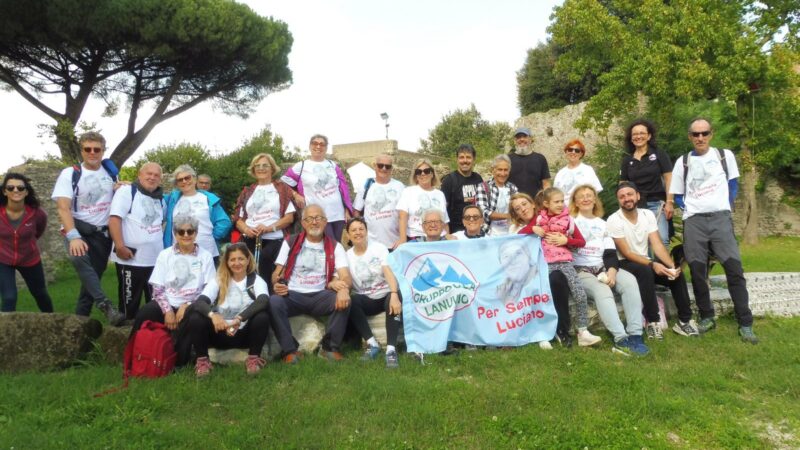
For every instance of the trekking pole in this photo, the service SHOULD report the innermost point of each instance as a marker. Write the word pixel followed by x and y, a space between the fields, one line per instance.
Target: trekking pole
pixel 257 254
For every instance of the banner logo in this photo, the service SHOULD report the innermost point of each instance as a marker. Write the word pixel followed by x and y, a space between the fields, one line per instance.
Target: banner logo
pixel 440 285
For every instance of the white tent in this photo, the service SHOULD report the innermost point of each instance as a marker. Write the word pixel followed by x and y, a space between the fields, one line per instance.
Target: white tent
pixel 359 174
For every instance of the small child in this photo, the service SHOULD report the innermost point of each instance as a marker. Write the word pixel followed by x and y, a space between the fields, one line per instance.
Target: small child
pixel 558 232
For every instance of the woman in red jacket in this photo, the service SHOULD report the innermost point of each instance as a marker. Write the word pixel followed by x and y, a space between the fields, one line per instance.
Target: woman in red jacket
pixel 22 222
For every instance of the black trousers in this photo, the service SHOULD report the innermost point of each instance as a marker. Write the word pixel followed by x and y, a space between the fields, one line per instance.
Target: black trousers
pixel 266 261
pixel 647 289
pixel 560 289
pixel 362 307
pixel 200 332
pixel 132 282
pixel 151 311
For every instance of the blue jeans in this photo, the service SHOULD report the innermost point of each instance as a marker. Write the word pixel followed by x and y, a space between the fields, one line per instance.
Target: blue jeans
pixel 34 279
pixel 657 207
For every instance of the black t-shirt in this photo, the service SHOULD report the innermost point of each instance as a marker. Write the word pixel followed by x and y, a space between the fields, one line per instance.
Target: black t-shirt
pixel 527 172
pixel 459 191
pixel 646 174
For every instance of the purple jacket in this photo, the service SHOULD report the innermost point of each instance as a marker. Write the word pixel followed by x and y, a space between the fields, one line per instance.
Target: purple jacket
pixel 344 191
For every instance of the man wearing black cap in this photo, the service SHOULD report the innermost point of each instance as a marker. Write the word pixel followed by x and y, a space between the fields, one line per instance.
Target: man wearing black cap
pixel 634 231
pixel 529 170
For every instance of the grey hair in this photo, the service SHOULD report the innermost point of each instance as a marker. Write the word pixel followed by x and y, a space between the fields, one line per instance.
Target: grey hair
pixel 183 168
pixel 305 210
pixel 501 158
pixel 319 136
pixel 431 211
pixel 185 220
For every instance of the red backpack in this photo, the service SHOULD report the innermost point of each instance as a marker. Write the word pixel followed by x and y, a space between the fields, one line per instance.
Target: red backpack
pixel 150 353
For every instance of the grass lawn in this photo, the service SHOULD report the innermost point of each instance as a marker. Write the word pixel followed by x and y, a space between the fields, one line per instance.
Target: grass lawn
pixel 711 392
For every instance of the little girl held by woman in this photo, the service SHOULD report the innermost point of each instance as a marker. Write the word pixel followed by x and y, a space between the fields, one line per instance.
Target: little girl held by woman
pixel 559 234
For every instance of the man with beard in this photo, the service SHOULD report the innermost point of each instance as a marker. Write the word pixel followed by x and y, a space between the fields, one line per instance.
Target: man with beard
pixel 135 228
pixel 635 231
pixel 314 292
pixel 529 170
pixel 460 187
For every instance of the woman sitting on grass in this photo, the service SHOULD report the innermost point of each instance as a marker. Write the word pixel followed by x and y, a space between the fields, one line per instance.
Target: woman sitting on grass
pixel 179 276
pixel 231 312
pixel 375 291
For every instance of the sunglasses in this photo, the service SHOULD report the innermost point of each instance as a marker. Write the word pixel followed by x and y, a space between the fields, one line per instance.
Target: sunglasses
pixel 189 232
pixel 700 133
pixel 383 166
pixel 11 188
pixel 319 144
pixel 573 150
pixel 427 171
pixel 472 218
pixel 185 179
pixel 92 149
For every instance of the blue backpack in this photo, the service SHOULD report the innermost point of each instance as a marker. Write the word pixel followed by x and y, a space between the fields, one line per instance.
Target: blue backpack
pixel 77 170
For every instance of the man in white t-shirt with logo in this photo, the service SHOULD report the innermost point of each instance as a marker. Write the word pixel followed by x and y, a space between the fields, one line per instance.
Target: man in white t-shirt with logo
pixel 321 182
pixel 84 212
pixel 137 212
pixel 708 183
pixel 311 277
pixel 376 201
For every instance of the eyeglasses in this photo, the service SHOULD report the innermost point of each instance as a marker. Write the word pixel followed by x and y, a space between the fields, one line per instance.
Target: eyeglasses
pixel 472 218
pixel 20 188
pixel 429 223
pixel 573 150
pixel 185 179
pixel 319 143
pixel 383 166
pixel 700 133
pixel 187 232
pixel 262 166
pixel 426 171
pixel 92 149
pixel 314 219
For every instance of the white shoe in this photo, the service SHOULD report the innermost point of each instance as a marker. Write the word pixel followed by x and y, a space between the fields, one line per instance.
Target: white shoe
pixel 587 339
pixel 545 345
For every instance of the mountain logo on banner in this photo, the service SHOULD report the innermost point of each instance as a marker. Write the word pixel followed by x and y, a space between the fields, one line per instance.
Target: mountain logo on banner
pixel 440 285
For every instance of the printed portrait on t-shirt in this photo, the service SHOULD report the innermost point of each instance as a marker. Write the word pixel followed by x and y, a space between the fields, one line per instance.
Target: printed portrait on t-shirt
pixel 696 173
pixel 93 191
pixel 425 203
pixel 325 179
pixel 502 202
pixel 183 208
pixel 183 274
pixel 310 260
pixel 149 213
pixel 259 201
pixel 368 271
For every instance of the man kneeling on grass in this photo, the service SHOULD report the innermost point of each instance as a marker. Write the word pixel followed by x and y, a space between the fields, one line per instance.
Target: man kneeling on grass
pixel 304 283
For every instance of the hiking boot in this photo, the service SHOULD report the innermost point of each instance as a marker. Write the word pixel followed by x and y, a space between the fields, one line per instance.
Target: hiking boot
pixel 330 355
pixel 587 339
pixel 202 367
pixel 622 347
pixel 637 345
pixel 370 353
pixel 564 338
pixel 545 345
pixel 688 329
pixel 391 360
pixel 254 364
pixel 292 358
pixel 706 325
pixel 114 317
pixel 747 335
pixel 654 331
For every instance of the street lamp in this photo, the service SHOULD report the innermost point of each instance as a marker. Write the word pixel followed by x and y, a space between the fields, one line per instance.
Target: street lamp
pixel 385 117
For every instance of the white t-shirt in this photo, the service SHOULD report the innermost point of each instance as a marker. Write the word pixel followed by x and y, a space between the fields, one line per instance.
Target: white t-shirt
pixel 236 298
pixel 367 270
pixel 597 241
pixel 264 208
pixel 95 189
pixel 637 235
pixel 320 186
pixel 499 227
pixel 141 228
pixel 309 274
pixel 568 179
pixel 197 206
pixel 183 276
pixel 415 201
pixel 380 211
pixel 706 184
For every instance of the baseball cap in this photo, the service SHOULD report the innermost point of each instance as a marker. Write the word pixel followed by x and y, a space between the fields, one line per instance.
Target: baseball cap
pixel 522 130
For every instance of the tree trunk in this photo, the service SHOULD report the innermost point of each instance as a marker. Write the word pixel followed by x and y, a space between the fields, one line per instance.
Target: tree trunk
pixel 749 178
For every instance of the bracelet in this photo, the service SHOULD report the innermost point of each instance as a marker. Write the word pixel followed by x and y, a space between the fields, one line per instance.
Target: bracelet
pixel 73 234
pixel 274 229
pixel 651 264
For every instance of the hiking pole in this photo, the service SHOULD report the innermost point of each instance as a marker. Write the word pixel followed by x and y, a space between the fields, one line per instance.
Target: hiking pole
pixel 257 254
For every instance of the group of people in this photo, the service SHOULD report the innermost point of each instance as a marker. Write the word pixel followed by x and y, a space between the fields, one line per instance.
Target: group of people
pixel 165 246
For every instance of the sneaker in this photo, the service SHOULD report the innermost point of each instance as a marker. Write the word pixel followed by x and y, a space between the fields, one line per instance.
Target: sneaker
pixel 391 360
pixel 622 347
pixel 254 363
pixel 688 329
pixel 292 358
pixel 747 335
pixel 202 367
pixel 587 339
pixel 370 353
pixel 545 345
pixel 654 331
pixel 706 325
pixel 637 346
pixel 331 355
pixel 564 338
pixel 450 350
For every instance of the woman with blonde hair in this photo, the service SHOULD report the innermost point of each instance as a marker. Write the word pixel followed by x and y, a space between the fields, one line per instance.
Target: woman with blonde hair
pixel 419 196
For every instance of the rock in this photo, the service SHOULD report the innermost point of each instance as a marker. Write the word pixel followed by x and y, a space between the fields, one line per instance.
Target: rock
pixel 307 330
pixel 37 341
pixel 112 343
pixel 377 324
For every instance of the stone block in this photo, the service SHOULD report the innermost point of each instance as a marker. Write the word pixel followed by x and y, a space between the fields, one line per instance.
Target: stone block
pixel 112 343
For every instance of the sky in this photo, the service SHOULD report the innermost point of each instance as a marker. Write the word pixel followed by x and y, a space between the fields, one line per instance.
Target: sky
pixel 416 60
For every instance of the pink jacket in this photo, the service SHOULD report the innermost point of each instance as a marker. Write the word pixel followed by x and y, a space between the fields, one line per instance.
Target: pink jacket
pixel 561 223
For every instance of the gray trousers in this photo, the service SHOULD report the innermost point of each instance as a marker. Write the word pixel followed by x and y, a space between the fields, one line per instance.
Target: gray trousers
pixel 603 297
pixel 712 233
pixel 90 268
pixel 317 304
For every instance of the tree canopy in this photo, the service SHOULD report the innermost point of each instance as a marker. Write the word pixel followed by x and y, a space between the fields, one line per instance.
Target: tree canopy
pixel 466 126
pixel 170 55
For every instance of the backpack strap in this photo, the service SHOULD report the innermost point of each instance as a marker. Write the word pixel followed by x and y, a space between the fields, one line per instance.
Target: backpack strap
pixel 251 280
pixel 76 176
pixel 134 190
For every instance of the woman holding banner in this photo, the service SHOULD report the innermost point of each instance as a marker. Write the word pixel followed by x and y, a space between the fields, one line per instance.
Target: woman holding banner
pixel 375 289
